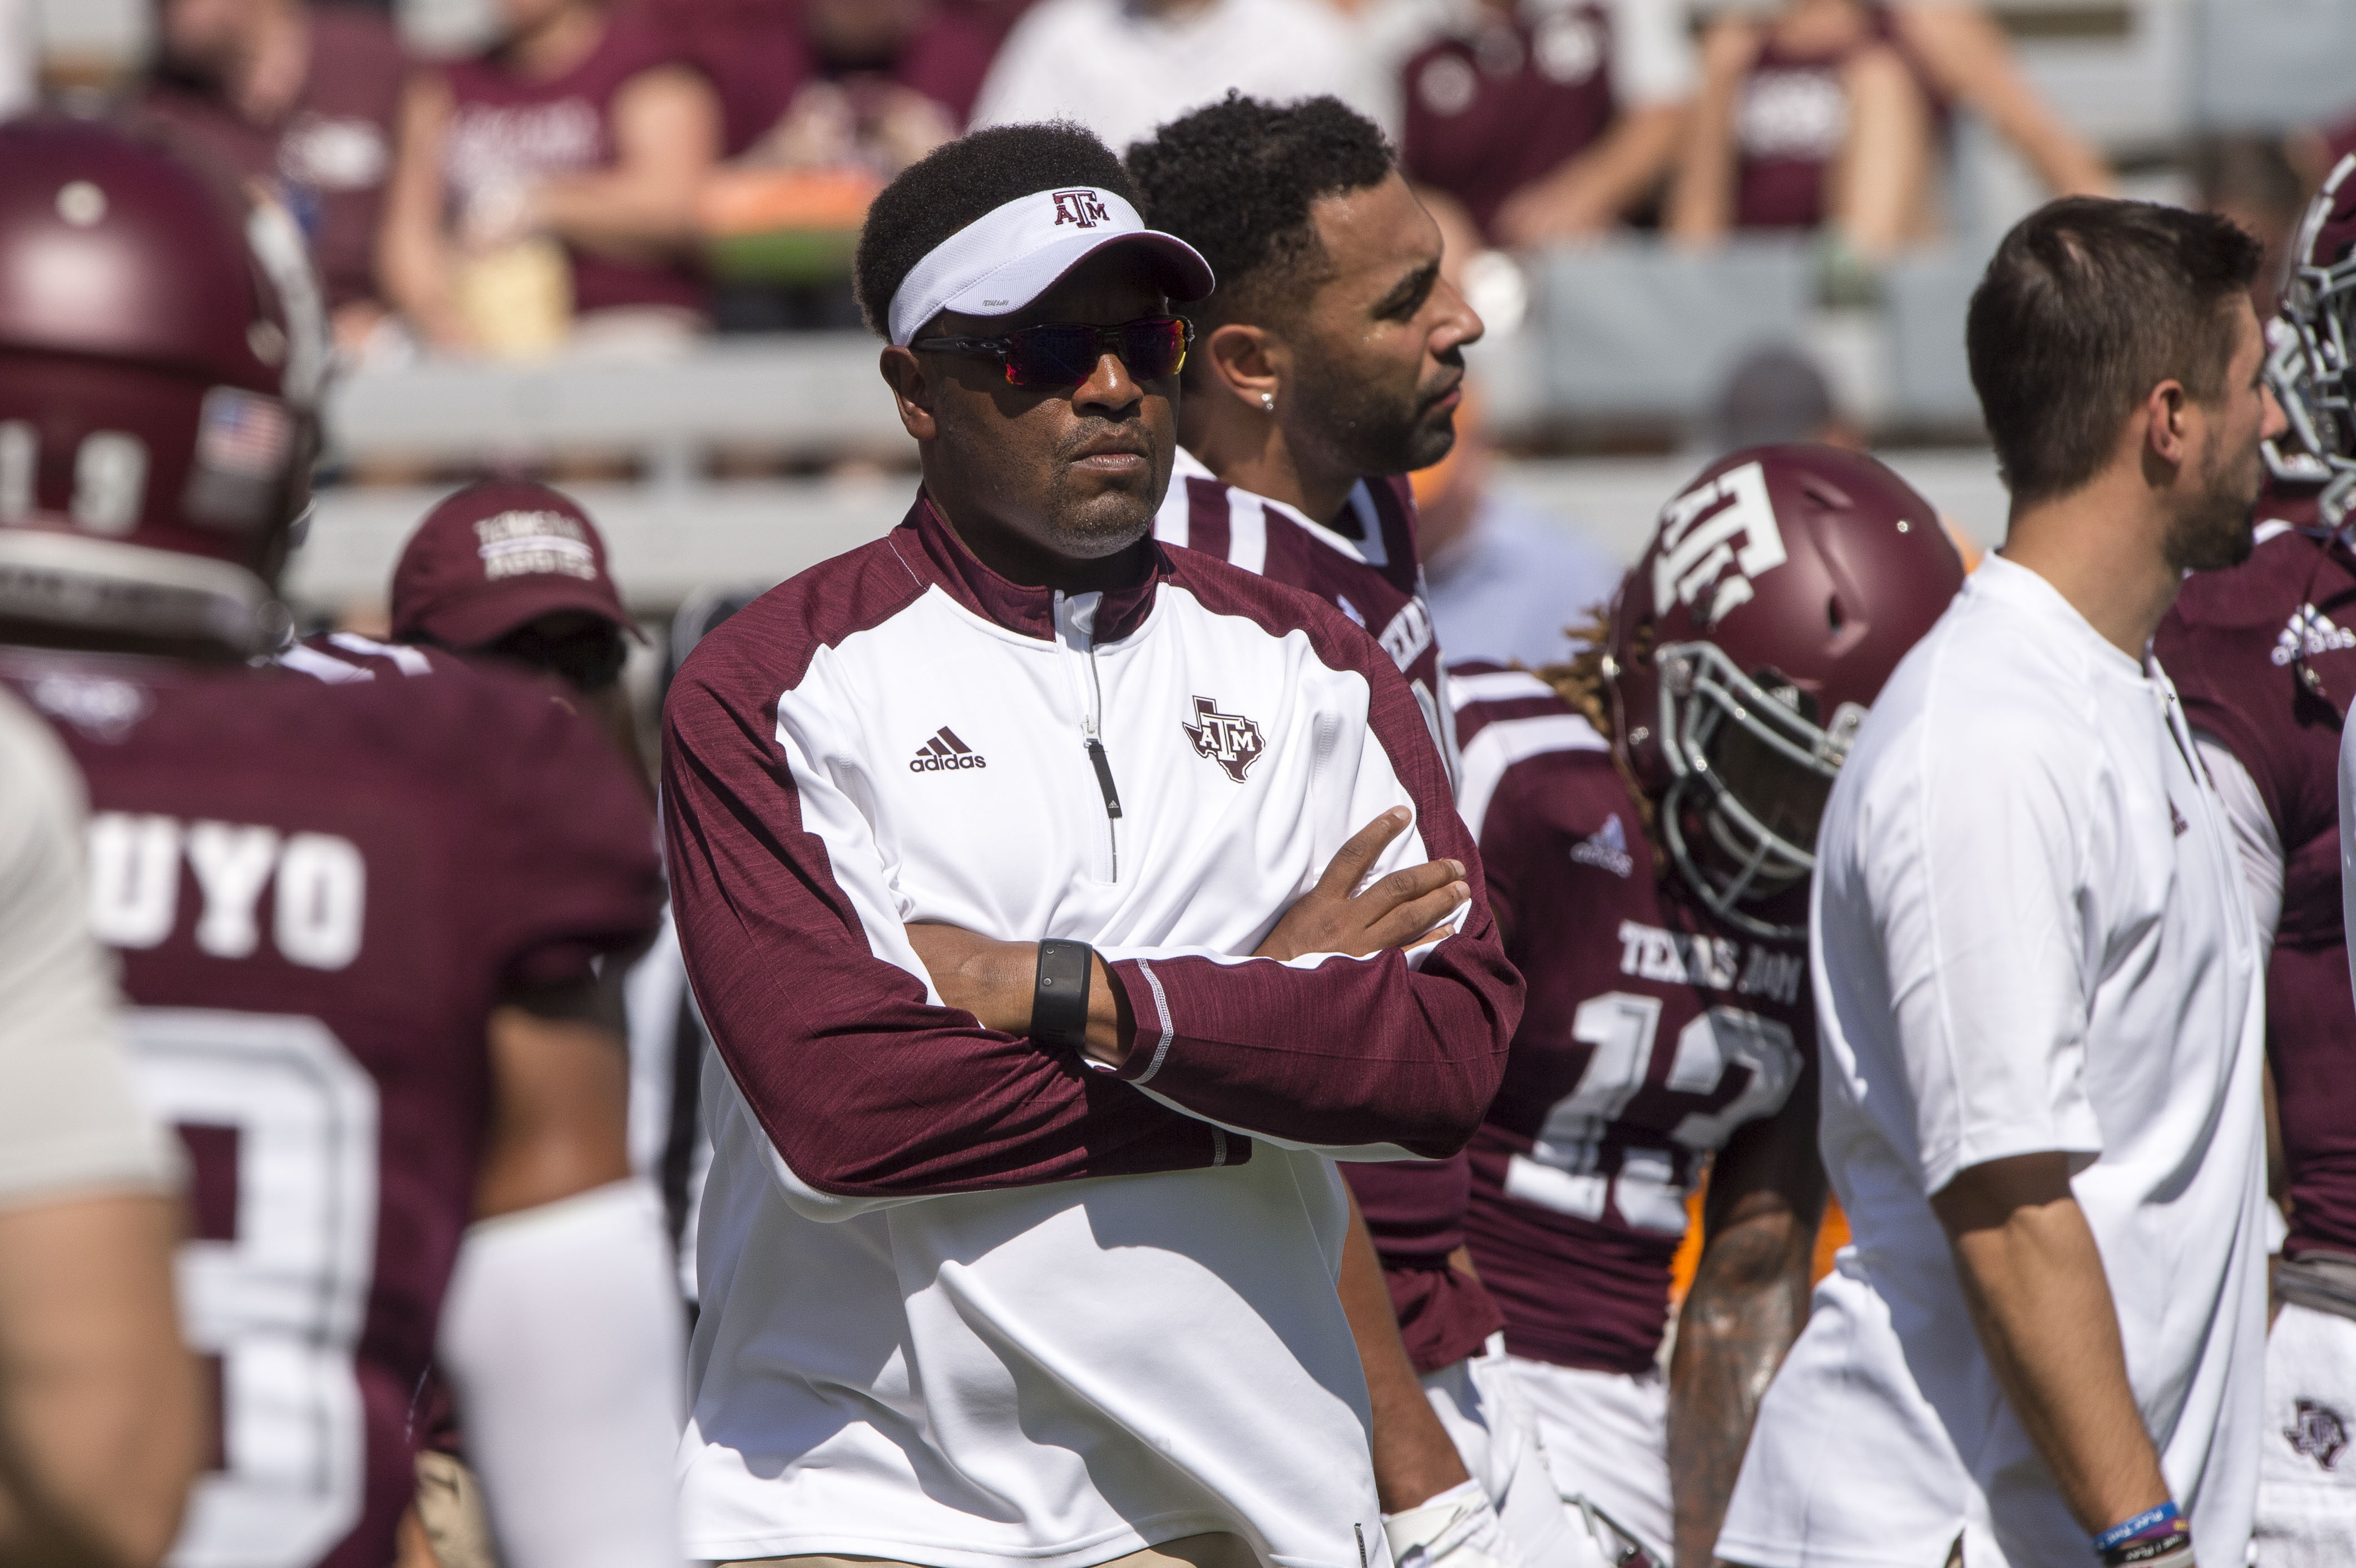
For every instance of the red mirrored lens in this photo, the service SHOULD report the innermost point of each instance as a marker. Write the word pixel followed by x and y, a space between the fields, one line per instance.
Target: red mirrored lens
pixel 1065 354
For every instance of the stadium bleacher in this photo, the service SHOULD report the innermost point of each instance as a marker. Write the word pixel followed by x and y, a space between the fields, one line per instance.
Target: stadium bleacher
pixel 1622 345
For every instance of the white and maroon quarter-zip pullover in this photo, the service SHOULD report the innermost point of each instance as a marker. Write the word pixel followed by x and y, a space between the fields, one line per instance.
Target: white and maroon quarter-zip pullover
pixel 968 1301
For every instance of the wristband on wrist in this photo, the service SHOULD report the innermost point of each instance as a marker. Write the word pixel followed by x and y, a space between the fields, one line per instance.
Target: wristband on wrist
pixel 2156 1536
pixel 1059 997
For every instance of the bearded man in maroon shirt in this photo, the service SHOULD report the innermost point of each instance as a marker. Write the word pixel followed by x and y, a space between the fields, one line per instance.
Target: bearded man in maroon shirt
pixel 1329 366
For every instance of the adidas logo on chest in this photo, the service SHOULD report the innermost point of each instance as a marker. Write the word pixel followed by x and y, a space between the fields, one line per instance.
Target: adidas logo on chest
pixel 2311 632
pixel 944 753
pixel 1606 849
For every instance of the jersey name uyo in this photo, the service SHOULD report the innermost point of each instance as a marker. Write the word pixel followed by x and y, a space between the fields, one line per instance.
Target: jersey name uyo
pixel 318 881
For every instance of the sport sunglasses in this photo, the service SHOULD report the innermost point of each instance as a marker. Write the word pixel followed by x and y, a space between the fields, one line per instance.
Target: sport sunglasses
pixel 1065 354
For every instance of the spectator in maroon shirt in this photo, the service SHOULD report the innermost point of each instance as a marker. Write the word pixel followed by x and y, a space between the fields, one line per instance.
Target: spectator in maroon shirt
pixel 587 127
pixel 1830 113
pixel 827 81
pixel 1548 120
pixel 301 98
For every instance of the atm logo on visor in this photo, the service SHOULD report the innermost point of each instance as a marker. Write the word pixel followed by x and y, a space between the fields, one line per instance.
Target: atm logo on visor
pixel 944 753
pixel 1085 208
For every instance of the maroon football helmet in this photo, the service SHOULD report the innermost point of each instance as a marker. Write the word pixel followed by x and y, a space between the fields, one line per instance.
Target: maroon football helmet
pixel 161 352
pixel 2310 347
pixel 1780 590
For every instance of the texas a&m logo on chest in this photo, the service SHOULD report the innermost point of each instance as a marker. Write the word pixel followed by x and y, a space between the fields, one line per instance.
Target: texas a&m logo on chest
pixel 1085 208
pixel 1229 740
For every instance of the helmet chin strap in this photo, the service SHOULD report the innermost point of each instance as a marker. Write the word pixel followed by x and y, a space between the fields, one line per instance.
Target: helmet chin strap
pixel 108 588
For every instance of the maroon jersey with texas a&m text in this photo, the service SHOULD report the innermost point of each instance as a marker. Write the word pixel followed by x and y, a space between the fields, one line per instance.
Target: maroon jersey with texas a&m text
pixel 2263 658
pixel 1651 1036
pixel 319 891
pixel 1366 565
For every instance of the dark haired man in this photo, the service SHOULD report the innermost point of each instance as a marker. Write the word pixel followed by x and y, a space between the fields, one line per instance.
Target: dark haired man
pixel 1328 367
pixel 1013 862
pixel 2038 980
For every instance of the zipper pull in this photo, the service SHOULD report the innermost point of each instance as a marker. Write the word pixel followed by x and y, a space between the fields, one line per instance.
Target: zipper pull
pixel 1103 765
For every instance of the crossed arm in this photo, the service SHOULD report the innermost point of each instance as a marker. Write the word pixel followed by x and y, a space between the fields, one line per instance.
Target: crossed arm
pixel 994 980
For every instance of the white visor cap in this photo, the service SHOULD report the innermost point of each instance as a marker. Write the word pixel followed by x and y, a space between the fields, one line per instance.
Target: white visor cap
pixel 1012 254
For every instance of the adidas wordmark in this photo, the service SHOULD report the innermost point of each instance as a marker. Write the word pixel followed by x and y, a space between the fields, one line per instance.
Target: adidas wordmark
pixel 944 753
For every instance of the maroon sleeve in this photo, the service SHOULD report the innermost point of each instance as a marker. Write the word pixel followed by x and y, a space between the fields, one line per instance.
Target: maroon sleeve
pixel 573 835
pixel 1354 1050
pixel 866 1089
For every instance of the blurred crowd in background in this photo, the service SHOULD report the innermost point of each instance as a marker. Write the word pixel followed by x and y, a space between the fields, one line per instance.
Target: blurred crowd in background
pixel 1689 224
pixel 615 171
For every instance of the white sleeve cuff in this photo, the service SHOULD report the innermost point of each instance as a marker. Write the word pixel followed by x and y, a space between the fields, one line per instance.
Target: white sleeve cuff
pixel 560 1336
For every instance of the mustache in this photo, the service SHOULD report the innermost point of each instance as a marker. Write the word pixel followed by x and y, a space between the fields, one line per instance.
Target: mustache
pixel 1102 436
pixel 1450 377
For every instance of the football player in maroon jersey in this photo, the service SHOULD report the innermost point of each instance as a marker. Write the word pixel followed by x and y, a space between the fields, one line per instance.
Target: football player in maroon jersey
pixel 1328 366
pixel 1645 814
pixel 358 920
pixel 2263 656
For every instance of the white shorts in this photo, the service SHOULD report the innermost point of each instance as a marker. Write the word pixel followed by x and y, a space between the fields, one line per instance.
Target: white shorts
pixel 2306 1460
pixel 1606 1441
pixel 1479 1402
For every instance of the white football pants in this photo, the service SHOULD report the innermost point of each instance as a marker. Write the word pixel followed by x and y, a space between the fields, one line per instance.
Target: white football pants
pixel 1501 1436
pixel 2306 1457
pixel 1605 1436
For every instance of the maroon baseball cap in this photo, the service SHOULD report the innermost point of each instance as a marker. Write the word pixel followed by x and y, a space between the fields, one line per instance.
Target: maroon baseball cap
pixel 495 556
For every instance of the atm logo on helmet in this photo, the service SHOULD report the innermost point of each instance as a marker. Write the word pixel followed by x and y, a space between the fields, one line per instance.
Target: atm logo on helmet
pixel 1715 539
pixel 1085 208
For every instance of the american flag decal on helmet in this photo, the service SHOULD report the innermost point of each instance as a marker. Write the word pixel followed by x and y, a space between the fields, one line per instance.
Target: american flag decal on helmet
pixel 242 433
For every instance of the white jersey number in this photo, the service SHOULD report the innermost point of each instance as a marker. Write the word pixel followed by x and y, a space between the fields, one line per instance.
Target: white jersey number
pixel 284 1304
pixel 1559 1173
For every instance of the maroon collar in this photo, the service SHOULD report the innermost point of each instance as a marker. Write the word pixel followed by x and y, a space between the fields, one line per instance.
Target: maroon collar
pixel 942 558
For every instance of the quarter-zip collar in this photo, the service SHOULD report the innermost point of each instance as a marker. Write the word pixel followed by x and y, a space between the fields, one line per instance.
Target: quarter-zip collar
pixel 943 559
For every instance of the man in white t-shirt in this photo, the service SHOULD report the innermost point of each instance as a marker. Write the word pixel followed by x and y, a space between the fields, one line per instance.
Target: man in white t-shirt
pixel 2039 984
pixel 1120 67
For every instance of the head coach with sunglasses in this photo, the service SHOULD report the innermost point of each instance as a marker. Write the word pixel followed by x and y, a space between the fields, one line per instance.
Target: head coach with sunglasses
pixel 1058 901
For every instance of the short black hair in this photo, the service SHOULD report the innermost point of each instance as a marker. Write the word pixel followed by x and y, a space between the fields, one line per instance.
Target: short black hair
pixel 2090 304
pixel 1235 180
pixel 960 181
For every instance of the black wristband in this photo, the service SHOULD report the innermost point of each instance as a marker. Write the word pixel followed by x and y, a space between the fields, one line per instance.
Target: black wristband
pixel 2162 1552
pixel 1059 999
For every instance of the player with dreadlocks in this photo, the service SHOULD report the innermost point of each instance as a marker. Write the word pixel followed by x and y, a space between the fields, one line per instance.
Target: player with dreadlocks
pixel 1645 814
